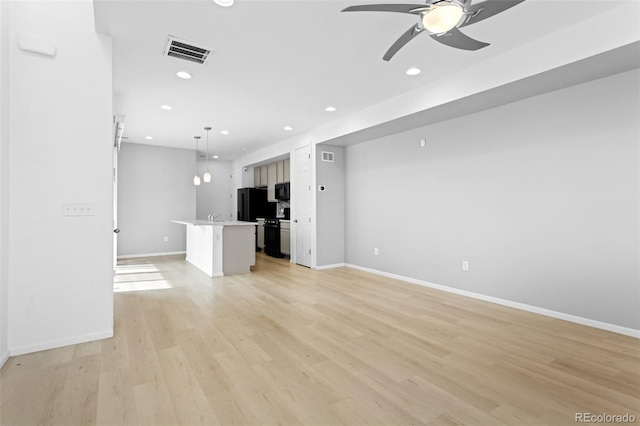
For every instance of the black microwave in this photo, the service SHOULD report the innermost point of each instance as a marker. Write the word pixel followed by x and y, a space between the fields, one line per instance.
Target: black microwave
pixel 282 191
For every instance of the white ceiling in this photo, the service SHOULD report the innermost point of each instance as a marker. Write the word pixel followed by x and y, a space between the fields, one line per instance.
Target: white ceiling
pixel 279 63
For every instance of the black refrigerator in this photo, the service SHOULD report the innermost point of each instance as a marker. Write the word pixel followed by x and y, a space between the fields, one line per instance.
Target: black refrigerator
pixel 252 203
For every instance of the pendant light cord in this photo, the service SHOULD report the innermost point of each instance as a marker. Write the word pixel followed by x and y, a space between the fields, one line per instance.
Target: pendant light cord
pixel 197 140
pixel 196 178
pixel 207 174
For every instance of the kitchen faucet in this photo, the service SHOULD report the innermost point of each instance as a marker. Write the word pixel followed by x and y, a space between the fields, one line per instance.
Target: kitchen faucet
pixel 213 216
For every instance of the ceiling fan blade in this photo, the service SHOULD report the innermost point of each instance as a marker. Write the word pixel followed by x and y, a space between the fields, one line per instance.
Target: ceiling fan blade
pixel 486 9
pixel 404 39
pixel 455 38
pixel 414 9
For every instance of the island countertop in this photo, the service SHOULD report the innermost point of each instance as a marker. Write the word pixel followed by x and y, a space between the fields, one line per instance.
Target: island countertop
pixel 220 248
pixel 215 223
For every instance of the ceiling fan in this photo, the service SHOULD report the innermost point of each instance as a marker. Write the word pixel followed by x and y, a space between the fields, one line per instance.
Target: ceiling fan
pixel 441 19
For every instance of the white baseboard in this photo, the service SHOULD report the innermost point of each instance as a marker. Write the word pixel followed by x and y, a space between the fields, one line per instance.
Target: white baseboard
pixel 333 265
pixel 168 253
pixel 4 357
pixel 517 305
pixel 52 344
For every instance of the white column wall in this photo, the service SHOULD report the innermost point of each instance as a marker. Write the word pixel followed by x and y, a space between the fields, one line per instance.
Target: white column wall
pixel 4 184
pixel 60 268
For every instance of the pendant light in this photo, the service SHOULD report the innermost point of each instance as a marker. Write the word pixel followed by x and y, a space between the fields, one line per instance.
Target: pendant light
pixel 207 176
pixel 196 178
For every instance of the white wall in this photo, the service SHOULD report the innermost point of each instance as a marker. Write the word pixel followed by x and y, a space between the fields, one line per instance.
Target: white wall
pixel 155 185
pixel 60 268
pixel 330 205
pixel 540 196
pixel 4 182
pixel 215 197
pixel 248 177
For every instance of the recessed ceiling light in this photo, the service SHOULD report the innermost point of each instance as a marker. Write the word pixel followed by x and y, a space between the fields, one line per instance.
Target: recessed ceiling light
pixel 215 156
pixel 224 132
pixel 183 74
pixel 413 71
pixel 149 138
pixel 166 107
pixel 223 3
pixel 288 128
pixel 330 109
pixel 244 149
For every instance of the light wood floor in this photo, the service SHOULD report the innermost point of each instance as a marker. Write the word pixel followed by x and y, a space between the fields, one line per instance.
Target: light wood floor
pixel 287 345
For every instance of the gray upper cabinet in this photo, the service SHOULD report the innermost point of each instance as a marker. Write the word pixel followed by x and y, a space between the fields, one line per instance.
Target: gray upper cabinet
pixel 286 172
pixel 270 174
pixel 271 179
pixel 280 172
pixel 260 177
pixel 263 176
pixel 256 177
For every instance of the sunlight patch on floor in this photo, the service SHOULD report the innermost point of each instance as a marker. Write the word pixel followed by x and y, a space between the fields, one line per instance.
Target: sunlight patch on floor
pixel 136 269
pixel 136 276
pixel 141 286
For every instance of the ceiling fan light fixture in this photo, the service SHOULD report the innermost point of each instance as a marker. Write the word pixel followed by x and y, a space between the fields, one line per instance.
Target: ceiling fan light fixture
pixel 442 18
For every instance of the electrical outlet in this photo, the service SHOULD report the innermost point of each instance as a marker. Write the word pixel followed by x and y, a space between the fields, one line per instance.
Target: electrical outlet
pixel 77 209
pixel 423 143
pixel 465 265
pixel 376 252
pixel 166 239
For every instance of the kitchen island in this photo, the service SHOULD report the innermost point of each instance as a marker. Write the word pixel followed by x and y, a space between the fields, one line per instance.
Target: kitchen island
pixel 220 248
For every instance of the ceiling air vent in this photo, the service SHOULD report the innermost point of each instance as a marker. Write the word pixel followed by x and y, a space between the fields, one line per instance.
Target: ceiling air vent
pixel 327 156
pixel 183 49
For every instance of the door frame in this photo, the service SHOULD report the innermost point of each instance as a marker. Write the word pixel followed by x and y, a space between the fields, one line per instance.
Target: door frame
pixel 118 129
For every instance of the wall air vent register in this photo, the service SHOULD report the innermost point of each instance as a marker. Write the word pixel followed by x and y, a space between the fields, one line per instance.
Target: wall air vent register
pixel 187 50
pixel 327 156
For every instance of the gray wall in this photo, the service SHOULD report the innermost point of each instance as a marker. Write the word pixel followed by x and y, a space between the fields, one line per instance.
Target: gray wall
pixel 215 197
pixel 540 196
pixel 330 207
pixel 155 185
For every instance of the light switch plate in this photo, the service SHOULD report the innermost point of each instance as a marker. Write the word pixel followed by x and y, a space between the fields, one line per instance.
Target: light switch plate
pixel 77 209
